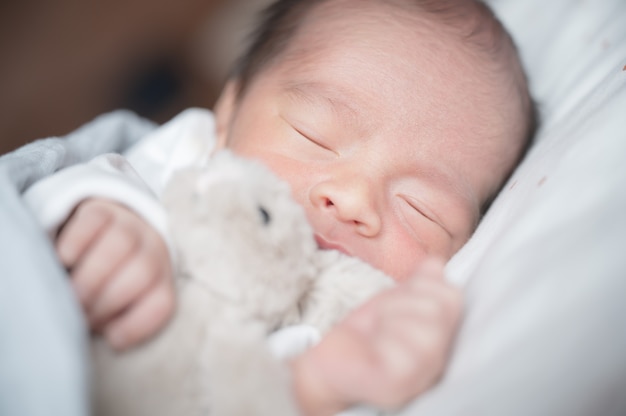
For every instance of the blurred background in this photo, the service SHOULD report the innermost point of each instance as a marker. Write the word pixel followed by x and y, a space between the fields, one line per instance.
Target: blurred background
pixel 64 62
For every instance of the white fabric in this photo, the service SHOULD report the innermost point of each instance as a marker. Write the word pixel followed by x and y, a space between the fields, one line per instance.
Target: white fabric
pixel 186 140
pixel 545 273
pixel 291 341
pixel 43 366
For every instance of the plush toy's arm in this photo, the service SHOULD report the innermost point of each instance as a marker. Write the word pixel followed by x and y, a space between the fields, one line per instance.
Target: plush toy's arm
pixel 343 284
pixel 246 378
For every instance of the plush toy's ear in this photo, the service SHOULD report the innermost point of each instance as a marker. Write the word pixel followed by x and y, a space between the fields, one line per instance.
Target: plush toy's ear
pixel 185 184
pixel 183 196
pixel 176 189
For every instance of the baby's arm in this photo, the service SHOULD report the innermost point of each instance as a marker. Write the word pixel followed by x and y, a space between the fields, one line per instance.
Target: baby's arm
pixel 120 270
pixel 384 353
pixel 118 260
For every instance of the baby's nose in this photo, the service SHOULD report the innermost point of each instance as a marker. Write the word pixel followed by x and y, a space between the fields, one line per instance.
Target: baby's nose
pixel 351 202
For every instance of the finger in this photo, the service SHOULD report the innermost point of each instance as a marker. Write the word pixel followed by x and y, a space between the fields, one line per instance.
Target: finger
pixel 408 304
pixel 362 320
pixel 134 279
pixel 449 298
pixel 400 301
pixel 431 301
pixel 420 325
pixel 104 257
pixel 405 370
pixel 79 232
pixel 370 370
pixel 346 360
pixel 431 274
pixel 330 377
pixel 427 341
pixel 141 321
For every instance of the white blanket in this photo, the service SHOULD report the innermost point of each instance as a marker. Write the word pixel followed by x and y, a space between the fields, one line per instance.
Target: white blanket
pixel 42 336
pixel 545 273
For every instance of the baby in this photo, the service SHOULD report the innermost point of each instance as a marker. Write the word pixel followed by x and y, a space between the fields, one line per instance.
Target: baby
pixel 395 123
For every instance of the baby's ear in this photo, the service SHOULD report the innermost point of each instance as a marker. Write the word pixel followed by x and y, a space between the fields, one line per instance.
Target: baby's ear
pixel 224 111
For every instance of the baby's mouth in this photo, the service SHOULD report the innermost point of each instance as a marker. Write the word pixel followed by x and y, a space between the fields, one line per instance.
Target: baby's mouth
pixel 327 245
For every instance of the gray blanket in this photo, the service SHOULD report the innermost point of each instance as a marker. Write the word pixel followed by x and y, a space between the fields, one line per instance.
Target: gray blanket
pixel 43 368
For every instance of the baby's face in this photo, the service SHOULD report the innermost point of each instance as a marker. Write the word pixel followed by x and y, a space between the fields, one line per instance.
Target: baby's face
pixel 390 137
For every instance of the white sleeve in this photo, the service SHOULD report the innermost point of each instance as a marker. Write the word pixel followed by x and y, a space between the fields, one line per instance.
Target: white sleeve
pixel 136 179
pixel 291 341
pixel 107 176
pixel 186 140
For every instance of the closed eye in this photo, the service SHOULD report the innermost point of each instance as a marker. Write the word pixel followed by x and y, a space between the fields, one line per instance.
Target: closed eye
pixel 422 210
pixel 310 138
pixel 308 134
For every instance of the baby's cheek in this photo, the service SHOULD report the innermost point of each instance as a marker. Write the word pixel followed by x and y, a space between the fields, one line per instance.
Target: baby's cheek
pixel 401 256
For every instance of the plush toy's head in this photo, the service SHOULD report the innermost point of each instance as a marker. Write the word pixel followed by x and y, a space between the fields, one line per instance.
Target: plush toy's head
pixel 239 232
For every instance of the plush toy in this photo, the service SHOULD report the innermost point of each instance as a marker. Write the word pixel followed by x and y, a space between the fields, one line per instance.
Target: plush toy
pixel 249 266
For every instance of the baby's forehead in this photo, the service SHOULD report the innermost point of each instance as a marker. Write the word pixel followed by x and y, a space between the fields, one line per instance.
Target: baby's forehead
pixel 346 15
pixel 387 27
pixel 396 35
pixel 462 33
pixel 466 23
pixel 415 14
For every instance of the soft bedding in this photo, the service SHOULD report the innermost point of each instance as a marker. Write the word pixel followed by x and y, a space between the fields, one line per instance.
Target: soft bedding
pixel 42 335
pixel 544 275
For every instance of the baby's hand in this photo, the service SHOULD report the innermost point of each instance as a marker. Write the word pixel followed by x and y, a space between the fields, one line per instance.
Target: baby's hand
pixel 386 352
pixel 120 270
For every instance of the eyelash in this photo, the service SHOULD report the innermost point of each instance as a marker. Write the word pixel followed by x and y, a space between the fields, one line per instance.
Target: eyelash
pixel 312 140
pixel 421 211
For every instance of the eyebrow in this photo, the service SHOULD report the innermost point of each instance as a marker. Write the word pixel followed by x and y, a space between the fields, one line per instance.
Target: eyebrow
pixel 342 103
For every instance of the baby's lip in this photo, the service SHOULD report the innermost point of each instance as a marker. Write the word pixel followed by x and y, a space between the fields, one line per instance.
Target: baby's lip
pixel 327 245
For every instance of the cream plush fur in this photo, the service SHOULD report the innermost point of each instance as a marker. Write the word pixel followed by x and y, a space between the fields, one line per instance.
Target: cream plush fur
pixel 250 265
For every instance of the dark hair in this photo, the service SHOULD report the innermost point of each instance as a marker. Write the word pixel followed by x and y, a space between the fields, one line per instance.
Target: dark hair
pixel 277 25
pixel 470 21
